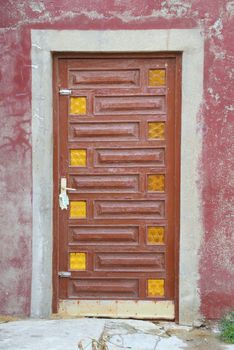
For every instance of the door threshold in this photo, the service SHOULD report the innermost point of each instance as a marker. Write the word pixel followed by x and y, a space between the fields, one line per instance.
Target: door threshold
pixel 139 309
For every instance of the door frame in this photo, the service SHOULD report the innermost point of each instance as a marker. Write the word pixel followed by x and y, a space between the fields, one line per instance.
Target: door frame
pixel 190 43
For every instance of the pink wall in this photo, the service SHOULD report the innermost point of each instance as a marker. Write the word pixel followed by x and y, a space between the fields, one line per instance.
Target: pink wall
pixel 216 114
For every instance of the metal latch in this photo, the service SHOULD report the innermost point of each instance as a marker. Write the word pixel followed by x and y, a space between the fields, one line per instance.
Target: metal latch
pixel 65 274
pixel 65 92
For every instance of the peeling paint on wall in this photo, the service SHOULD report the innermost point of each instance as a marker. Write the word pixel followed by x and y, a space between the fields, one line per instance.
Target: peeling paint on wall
pixel 216 165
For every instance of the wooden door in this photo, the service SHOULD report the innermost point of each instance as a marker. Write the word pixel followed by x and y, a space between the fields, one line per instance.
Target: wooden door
pixel 117 144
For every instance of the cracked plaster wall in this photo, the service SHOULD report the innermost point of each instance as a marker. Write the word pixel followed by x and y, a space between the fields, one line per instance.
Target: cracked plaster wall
pixel 215 119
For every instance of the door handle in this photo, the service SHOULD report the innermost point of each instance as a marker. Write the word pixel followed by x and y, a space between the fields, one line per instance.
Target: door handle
pixel 63 197
pixel 63 186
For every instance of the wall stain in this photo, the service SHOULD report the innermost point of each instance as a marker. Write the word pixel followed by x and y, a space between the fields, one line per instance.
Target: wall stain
pixel 20 138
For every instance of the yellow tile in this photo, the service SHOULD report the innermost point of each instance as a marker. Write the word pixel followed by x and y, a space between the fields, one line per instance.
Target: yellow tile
pixel 78 209
pixel 156 183
pixel 78 157
pixel 156 288
pixel 77 261
pixel 157 77
pixel 78 105
pixel 155 235
pixel 156 130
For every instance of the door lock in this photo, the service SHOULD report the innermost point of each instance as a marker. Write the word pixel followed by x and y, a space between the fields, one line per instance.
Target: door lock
pixel 63 197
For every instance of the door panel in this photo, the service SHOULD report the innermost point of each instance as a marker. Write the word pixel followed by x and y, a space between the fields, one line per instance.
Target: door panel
pixel 117 149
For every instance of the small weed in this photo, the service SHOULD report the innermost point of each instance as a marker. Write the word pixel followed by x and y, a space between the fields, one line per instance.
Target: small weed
pixel 226 326
pixel 95 344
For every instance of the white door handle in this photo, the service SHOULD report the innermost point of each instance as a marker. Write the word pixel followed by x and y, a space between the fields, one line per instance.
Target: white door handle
pixel 63 197
pixel 70 189
pixel 63 185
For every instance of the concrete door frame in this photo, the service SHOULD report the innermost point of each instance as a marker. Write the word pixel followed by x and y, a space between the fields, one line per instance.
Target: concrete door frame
pixel 44 43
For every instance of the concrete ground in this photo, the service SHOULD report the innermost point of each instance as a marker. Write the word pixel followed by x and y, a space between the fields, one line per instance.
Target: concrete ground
pixel 104 334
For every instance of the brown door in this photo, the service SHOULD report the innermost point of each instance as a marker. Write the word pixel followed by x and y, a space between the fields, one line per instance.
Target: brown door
pixel 117 144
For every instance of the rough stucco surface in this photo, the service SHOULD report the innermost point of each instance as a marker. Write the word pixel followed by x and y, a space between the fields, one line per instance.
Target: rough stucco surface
pixel 215 119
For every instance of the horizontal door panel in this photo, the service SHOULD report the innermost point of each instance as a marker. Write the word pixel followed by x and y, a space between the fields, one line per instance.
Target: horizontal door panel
pixel 119 78
pixel 115 105
pixel 129 209
pixel 129 262
pixel 104 131
pixel 103 288
pixel 105 183
pixel 104 235
pixel 118 157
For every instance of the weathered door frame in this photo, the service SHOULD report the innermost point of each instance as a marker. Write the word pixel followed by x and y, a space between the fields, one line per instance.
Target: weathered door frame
pixel 44 42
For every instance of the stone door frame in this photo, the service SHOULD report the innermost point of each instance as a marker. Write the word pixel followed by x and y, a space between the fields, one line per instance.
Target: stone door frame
pixel 44 43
